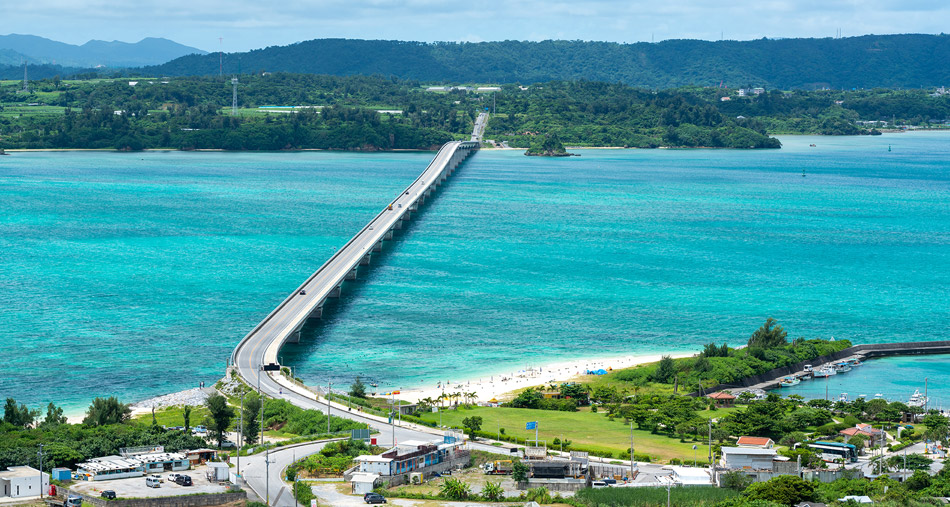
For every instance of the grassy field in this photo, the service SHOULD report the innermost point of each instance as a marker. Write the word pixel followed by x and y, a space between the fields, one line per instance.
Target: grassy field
pixel 590 430
pixel 174 416
pixel 24 110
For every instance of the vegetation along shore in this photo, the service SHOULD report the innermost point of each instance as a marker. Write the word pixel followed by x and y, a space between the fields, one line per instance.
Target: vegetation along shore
pixel 297 111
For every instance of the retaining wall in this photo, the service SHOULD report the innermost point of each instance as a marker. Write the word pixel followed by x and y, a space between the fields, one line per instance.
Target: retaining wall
pixel 236 499
pixel 869 350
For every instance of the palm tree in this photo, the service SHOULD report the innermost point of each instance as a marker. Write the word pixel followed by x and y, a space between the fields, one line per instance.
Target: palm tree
pixel 493 491
pixel 454 489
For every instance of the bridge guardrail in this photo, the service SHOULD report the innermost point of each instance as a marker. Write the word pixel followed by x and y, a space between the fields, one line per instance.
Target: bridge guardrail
pixel 453 145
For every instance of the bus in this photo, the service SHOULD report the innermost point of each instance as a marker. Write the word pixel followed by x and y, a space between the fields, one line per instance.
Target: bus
pixel 833 451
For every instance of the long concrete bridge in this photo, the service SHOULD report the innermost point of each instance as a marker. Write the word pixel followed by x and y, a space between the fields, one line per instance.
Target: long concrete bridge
pixel 259 349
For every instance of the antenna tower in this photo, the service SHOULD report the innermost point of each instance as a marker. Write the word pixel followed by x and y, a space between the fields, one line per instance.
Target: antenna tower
pixel 234 83
pixel 26 86
pixel 220 56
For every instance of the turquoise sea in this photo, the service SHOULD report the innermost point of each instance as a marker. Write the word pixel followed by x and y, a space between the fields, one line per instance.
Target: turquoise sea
pixel 136 274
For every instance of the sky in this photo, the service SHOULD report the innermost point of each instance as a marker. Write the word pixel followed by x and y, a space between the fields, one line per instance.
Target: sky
pixel 250 24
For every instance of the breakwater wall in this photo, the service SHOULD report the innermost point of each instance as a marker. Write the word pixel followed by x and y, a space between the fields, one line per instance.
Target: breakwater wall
pixel 862 351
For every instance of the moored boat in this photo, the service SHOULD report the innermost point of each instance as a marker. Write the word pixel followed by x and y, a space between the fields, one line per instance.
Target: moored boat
pixel 789 382
pixel 917 399
pixel 842 367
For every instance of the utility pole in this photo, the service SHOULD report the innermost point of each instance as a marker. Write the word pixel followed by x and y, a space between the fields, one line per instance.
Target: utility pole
pixel 328 406
pixel 39 455
pixel 240 437
pixel 234 83
pixel 26 86
pixel 710 441
pixel 632 459
pixel 267 476
pixel 259 373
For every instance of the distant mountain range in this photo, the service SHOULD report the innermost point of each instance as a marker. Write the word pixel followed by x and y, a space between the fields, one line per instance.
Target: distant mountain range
pixel 894 61
pixel 15 48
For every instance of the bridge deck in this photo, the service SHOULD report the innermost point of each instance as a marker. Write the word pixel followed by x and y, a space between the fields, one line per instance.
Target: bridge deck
pixel 262 344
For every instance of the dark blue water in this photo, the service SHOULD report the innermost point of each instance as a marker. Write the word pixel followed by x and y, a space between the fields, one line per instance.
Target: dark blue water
pixel 136 275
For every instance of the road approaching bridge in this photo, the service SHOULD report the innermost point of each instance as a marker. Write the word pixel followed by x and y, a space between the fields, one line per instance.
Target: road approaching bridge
pixel 259 349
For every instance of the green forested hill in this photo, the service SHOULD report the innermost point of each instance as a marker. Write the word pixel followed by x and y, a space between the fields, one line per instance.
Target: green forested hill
pixel 891 61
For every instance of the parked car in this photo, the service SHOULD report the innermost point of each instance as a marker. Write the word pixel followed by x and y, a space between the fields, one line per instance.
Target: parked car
pixel 157 477
pixel 108 494
pixel 228 444
pixel 173 477
pixel 152 482
pixel 183 480
pixel 374 498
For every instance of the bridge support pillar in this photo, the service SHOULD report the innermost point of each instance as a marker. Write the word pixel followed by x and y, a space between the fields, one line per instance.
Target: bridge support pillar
pixel 294 337
pixel 408 215
pixel 335 293
pixel 389 234
pixel 317 313
pixel 365 260
pixel 351 275
pixel 378 247
pixel 397 225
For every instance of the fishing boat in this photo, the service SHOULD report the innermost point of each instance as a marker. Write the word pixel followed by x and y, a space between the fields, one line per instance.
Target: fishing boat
pixel 842 367
pixel 854 362
pixel 843 397
pixel 917 399
pixel 789 382
pixel 825 371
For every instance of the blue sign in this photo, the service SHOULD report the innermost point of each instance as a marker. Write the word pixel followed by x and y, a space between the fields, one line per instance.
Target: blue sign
pixel 531 425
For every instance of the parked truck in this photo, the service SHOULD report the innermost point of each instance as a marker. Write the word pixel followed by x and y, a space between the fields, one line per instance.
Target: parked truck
pixel 500 467
pixel 68 501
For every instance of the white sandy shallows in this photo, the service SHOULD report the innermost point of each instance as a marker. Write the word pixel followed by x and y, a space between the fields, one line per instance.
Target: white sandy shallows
pixel 500 386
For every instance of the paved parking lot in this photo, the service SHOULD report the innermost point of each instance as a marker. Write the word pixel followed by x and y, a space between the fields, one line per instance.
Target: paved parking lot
pixel 135 487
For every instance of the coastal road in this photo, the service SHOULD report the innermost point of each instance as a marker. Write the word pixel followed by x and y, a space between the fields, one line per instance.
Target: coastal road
pixel 255 471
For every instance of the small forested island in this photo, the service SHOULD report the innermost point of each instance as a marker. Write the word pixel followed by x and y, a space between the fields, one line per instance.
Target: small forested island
pixel 548 146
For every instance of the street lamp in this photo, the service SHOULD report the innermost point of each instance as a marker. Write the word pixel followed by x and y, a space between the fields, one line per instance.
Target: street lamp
pixel 694 455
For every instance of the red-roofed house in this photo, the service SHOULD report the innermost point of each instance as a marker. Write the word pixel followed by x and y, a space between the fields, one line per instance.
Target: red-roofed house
pixel 863 429
pixel 723 399
pixel 755 442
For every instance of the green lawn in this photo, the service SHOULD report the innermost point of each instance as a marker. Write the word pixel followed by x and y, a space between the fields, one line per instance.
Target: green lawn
pixel 174 416
pixel 589 430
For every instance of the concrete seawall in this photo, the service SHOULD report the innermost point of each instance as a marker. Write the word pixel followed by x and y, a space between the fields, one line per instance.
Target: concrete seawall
pixel 862 351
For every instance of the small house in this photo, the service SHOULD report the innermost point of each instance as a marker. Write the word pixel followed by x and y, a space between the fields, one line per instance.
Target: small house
pixel 21 481
pixel 199 456
pixel 739 458
pixel 218 471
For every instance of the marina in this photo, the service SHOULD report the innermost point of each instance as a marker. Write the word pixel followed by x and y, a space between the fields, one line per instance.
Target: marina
pixel 913 380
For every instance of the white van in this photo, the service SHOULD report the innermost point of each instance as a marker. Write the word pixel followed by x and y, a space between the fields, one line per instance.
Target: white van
pixel 153 482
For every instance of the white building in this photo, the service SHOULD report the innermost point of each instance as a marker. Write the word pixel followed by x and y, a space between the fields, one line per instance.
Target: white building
pixel 738 458
pixel 363 483
pixel 688 476
pixel 138 465
pixel 17 482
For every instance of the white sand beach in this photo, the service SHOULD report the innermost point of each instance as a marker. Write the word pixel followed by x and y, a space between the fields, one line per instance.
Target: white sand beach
pixel 500 386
